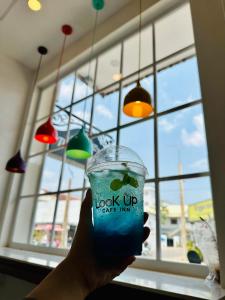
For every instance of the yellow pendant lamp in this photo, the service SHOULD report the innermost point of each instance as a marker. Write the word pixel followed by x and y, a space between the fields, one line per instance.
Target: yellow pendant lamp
pixel 34 5
pixel 138 102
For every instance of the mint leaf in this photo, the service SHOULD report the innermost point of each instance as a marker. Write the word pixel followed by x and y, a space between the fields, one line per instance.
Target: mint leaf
pixel 116 184
pixel 126 179
pixel 133 182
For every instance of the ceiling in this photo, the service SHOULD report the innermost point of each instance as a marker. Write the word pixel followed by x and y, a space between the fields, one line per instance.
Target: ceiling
pixel 22 31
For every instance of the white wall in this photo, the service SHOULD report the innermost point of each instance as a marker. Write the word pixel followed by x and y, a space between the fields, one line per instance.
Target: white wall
pixel 15 81
pixel 209 30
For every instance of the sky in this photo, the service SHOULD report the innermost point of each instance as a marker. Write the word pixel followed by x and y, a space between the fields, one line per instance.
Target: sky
pixel 181 134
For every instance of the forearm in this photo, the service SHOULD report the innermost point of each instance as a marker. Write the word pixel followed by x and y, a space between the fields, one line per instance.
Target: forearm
pixel 60 285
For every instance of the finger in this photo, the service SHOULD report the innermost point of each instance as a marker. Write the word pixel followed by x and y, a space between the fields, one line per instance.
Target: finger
pixel 117 270
pixel 128 260
pixel 146 233
pixel 145 217
pixel 85 212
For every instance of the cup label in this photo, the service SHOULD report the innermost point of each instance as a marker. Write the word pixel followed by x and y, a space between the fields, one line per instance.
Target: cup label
pixel 117 203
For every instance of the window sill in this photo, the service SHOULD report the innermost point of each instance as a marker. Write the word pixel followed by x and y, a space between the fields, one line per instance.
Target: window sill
pixel 161 283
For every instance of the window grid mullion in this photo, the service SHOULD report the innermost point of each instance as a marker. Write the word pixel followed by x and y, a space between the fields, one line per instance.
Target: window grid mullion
pixel 190 47
pixel 120 96
pixel 91 121
pixel 157 197
pixel 52 233
pixel 39 181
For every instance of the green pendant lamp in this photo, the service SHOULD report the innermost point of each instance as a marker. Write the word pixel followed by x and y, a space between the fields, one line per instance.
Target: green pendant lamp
pixel 80 146
pixel 138 103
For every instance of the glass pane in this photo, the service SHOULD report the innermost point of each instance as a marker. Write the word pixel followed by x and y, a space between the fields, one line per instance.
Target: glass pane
pixel 65 90
pixel 67 218
pixel 31 179
pixel 45 104
pixel 81 112
pixel 23 220
pixel 182 203
pixel 140 138
pixel 178 84
pixel 108 67
pixel 60 121
pixel 147 84
pixel 51 172
pixel 174 32
pixel 104 140
pixel 131 51
pixel 181 137
pixel 42 224
pixel 105 111
pixel 73 174
pixel 84 81
pixel 149 246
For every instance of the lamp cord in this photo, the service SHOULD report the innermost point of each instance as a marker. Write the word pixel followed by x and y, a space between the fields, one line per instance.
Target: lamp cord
pixel 89 65
pixel 58 74
pixel 8 9
pixel 139 31
pixel 28 105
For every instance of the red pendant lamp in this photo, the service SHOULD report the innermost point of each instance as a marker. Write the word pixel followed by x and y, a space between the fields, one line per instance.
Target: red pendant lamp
pixel 16 164
pixel 46 133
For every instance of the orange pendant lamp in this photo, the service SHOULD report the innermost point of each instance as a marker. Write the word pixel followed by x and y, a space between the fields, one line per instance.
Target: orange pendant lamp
pixel 138 103
pixel 17 164
pixel 46 133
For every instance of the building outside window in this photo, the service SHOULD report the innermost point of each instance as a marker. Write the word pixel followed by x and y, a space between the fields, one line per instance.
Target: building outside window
pixel 171 143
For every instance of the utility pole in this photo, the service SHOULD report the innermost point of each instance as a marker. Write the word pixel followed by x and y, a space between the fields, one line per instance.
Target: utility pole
pixel 182 210
pixel 65 219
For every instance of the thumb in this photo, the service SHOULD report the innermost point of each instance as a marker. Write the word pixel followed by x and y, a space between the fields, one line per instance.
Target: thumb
pixel 85 212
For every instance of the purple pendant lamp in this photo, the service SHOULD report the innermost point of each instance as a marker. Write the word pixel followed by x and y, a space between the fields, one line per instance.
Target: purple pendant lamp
pixel 46 133
pixel 16 164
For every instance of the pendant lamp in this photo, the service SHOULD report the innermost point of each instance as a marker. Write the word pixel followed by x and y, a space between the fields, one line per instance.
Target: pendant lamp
pixel 137 103
pixel 46 133
pixel 80 146
pixel 34 5
pixel 16 164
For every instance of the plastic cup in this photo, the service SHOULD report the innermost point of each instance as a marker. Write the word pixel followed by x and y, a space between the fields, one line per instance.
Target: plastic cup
pixel 117 177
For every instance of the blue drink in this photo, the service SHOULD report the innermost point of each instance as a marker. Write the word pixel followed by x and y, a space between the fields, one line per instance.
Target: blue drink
pixel 117 195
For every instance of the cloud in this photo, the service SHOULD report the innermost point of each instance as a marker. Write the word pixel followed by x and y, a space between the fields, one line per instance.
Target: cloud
pixel 166 125
pixel 200 164
pixel 83 115
pixel 66 90
pixel 195 138
pixel 49 174
pixel 104 111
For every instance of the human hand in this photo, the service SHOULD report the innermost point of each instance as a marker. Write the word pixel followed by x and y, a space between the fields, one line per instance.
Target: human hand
pixel 95 272
pixel 82 271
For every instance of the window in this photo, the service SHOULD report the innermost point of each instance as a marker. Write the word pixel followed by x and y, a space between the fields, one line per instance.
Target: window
pixel 171 143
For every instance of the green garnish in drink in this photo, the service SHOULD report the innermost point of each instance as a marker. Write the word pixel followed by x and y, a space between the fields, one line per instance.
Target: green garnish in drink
pixel 116 184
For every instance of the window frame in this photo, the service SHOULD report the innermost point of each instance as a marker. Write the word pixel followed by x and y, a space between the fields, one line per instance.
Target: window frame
pixel 145 263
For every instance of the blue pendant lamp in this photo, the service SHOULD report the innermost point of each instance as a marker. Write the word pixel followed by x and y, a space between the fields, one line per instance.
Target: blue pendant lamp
pixel 80 146
pixel 16 164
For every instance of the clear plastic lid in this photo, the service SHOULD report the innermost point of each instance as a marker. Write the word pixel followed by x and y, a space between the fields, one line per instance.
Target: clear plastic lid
pixel 116 158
